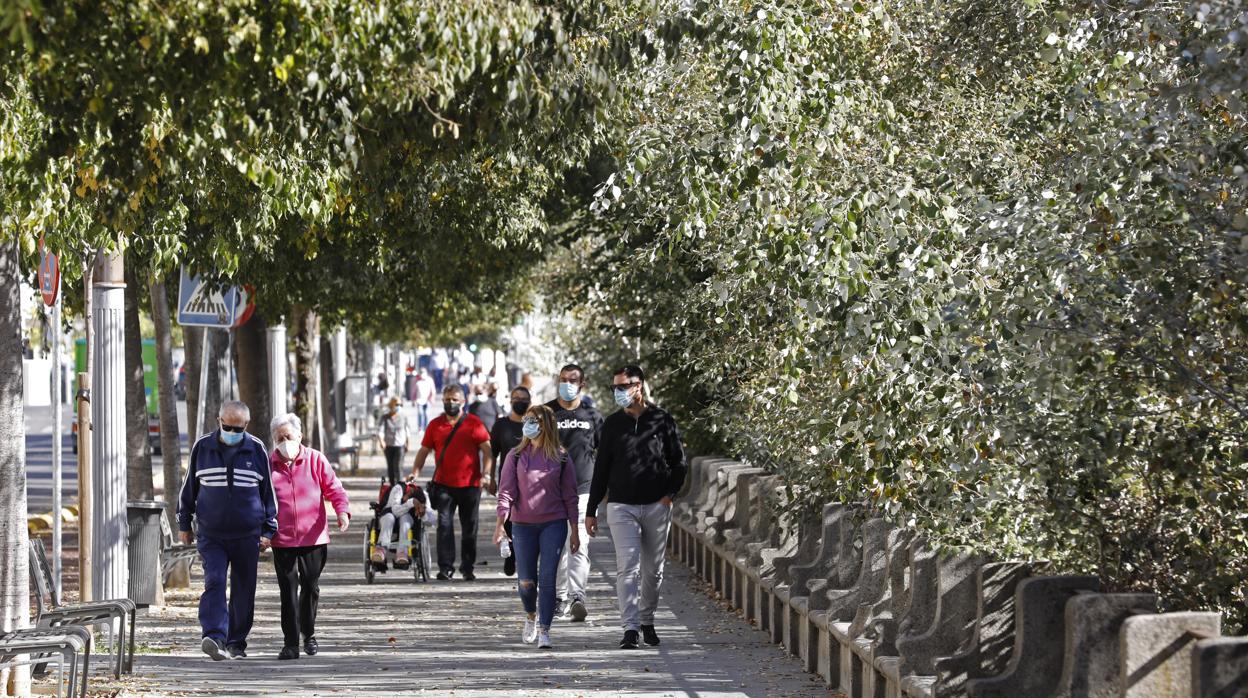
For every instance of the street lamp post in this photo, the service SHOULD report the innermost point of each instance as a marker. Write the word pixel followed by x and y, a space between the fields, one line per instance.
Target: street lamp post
pixel 110 555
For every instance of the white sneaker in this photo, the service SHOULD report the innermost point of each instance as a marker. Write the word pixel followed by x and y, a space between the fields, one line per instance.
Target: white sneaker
pixel 543 639
pixel 530 631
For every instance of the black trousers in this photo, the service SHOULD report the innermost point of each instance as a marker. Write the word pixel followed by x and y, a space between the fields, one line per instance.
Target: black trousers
pixel 446 501
pixel 298 579
pixel 394 462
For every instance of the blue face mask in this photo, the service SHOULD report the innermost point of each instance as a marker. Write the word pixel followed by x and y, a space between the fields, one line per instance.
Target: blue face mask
pixel 231 438
pixel 531 430
pixel 569 391
pixel 622 397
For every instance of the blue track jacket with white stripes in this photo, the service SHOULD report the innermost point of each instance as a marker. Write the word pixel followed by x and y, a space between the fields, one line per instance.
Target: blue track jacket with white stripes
pixel 228 490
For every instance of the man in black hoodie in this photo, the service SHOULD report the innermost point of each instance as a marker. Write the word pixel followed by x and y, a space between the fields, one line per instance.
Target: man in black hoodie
pixel 641 464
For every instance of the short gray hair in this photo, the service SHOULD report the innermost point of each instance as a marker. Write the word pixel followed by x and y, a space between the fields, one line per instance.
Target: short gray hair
pixel 281 420
pixel 237 406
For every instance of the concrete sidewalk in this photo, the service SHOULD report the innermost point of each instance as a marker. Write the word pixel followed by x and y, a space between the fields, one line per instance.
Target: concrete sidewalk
pixel 462 638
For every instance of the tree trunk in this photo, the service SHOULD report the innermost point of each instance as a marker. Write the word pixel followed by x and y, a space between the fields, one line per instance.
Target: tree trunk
pixel 218 375
pixel 251 361
pixel 329 433
pixel 170 443
pixel 14 563
pixel 305 329
pixel 194 339
pixel 138 447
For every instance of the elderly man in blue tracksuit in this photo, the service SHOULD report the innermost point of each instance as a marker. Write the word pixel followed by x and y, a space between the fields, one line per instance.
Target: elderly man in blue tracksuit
pixel 229 493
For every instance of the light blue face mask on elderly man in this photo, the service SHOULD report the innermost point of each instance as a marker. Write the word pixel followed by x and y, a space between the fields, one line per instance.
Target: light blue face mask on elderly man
pixel 231 438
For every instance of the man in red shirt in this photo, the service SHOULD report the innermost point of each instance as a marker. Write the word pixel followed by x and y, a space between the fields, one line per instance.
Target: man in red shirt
pixel 461 448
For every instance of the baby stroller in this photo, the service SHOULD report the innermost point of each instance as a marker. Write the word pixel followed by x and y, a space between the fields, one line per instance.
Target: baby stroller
pixel 416 543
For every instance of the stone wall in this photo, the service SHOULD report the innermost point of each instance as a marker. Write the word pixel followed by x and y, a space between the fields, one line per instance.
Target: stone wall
pixel 875 611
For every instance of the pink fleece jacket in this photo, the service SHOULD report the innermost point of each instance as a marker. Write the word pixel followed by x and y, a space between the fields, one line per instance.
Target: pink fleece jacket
pixel 302 486
pixel 535 489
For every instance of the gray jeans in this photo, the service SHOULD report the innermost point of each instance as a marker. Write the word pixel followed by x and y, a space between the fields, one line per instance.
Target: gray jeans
pixel 574 568
pixel 639 532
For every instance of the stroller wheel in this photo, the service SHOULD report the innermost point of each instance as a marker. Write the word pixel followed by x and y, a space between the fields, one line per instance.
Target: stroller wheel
pixel 420 556
pixel 369 573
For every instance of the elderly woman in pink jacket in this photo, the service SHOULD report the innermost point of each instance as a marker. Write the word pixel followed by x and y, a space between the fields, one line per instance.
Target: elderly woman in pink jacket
pixel 303 481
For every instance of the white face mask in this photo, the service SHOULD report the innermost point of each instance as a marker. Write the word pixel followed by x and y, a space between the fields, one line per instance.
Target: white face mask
pixel 289 449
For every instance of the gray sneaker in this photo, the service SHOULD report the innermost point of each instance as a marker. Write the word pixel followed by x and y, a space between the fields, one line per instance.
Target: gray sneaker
pixel 578 611
pixel 212 649
pixel 561 608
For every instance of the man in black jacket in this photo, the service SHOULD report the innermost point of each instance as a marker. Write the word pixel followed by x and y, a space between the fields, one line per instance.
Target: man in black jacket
pixel 641 464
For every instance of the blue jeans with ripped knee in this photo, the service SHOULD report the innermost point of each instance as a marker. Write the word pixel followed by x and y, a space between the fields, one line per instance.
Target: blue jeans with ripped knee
pixel 538 547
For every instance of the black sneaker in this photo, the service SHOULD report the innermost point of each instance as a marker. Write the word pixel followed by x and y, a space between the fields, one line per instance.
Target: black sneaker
pixel 630 640
pixel 469 576
pixel 444 576
pixel 236 652
pixel 649 636
pixel 509 565
pixel 288 653
pixel 310 647
pixel 561 607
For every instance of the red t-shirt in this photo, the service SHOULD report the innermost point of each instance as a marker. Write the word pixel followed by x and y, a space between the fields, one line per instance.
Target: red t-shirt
pixel 461 465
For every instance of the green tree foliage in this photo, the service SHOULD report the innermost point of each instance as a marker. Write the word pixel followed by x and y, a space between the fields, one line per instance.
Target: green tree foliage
pixel 334 154
pixel 980 263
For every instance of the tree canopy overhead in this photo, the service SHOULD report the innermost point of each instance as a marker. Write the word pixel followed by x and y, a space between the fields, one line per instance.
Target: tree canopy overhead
pixel 328 152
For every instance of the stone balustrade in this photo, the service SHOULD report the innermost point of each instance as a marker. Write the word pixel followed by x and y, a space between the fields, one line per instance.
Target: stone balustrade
pixel 875 610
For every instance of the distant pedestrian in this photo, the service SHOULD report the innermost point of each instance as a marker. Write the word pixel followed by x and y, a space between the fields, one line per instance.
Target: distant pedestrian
pixel 303 480
pixel 485 404
pixel 228 494
pixel 462 380
pixel 438 364
pixel 382 386
pixel 537 492
pixel 505 436
pixel 478 378
pixel 640 466
pixel 578 423
pixel 425 390
pixel 394 437
pixel 461 448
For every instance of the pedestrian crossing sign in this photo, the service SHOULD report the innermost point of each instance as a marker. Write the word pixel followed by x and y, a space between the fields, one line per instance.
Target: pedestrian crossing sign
pixel 205 304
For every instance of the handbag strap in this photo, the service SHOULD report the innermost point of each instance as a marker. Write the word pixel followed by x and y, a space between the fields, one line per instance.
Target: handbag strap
pixel 437 462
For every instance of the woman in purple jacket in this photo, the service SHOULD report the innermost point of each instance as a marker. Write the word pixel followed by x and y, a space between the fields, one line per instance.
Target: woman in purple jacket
pixel 537 491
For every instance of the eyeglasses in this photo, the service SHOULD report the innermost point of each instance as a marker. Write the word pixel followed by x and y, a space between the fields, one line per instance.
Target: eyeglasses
pixel 231 427
pixel 624 386
pixel 530 420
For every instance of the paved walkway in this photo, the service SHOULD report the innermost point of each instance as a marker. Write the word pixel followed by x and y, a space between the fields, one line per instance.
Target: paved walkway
pixel 462 638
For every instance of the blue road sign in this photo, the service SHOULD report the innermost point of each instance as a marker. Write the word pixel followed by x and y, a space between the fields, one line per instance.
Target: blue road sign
pixel 202 304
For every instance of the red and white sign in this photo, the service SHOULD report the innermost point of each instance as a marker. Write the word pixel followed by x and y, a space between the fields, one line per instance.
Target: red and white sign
pixel 246 298
pixel 49 274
